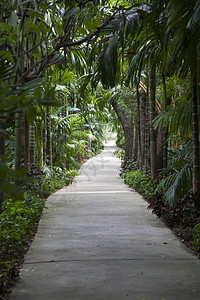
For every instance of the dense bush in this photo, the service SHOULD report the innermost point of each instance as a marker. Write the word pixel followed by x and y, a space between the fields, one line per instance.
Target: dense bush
pixel 17 225
pixel 141 182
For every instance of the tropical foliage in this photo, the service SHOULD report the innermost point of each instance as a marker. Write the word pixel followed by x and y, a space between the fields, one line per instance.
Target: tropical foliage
pixel 132 64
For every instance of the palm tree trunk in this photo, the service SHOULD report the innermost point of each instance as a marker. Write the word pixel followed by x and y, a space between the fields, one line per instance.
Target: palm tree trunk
pixel 64 135
pixel 146 156
pixel 132 131
pixel 153 139
pixel 126 125
pixel 143 125
pixel 165 142
pixel 135 152
pixel 32 143
pixel 139 129
pixel 2 154
pixel 49 140
pixel 18 140
pixel 160 149
pixel 195 133
pixel 27 144
pixel 44 137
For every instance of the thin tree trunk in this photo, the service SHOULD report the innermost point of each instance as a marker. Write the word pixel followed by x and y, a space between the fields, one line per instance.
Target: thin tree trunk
pixel 126 125
pixel 136 140
pixel 41 142
pixel 27 144
pixel 49 140
pixel 146 160
pixel 2 154
pixel 139 129
pixel 165 142
pixel 160 149
pixel 142 125
pixel 132 130
pixel 44 136
pixel 195 134
pixel 32 143
pixel 153 140
pixel 64 114
pixel 18 140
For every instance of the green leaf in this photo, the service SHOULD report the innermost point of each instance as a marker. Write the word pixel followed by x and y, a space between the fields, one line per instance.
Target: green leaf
pixel 33 27
pixel 7 55
pixel 43 6
pixel 38 93
pixel 32 84
pixel 7 187
pixel 88 24
pixel 13 19
pixel 31 114
pixel 5 26
pixel 37 55
pixel 34 13
pixel 70 13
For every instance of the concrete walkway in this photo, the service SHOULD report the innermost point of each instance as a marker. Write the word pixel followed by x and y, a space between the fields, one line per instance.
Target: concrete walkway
pixel 97 241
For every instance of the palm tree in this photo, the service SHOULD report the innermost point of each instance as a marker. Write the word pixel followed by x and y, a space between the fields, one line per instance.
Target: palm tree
pixel 153 138
pixel 183 22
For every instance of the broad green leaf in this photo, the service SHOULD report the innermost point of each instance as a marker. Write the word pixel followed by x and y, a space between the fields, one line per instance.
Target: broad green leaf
pixel 37 55
pixel 13 19
pixel 97 21
pixel 88 24
pixel 37 109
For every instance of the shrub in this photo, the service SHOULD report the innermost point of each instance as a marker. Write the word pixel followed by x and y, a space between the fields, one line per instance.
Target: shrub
pixel 120 153
pixel 141 182
pixel 18 221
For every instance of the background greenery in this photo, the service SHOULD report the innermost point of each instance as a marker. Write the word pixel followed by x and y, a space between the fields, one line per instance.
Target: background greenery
pixel 130 65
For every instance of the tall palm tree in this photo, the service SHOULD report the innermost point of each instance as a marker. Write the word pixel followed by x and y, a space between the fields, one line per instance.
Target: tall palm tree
pixel 153 138
pixel 184 23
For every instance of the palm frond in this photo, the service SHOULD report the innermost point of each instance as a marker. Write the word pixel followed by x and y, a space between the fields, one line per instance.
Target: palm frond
pixel 136 63
pixel 181 185
pixel 176 184
pixel 111 60
pixel 179 117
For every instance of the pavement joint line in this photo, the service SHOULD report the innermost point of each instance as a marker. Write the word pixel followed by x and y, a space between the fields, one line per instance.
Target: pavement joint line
pixel 108 259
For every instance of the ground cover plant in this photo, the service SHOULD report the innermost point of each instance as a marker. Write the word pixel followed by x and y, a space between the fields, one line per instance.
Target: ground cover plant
pixel 19 220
